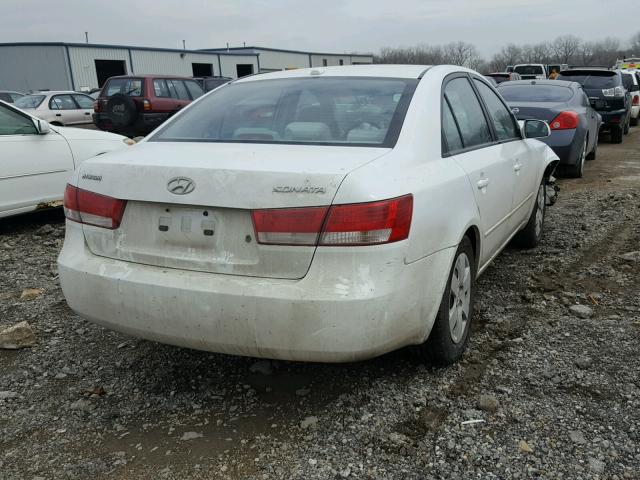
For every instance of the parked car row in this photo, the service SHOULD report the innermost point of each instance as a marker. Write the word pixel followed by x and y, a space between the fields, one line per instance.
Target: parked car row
pixel 579 103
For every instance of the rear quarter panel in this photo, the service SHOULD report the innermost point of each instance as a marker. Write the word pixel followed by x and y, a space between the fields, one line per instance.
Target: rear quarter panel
pixel 443 202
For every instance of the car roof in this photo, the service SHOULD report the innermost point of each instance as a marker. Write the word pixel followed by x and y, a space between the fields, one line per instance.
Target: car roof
pixel 381 71
pixel 555 83
pixel 149 75
pixel 54 92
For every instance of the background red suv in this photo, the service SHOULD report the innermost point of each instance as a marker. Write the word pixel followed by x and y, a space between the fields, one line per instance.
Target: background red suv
pixel 134 105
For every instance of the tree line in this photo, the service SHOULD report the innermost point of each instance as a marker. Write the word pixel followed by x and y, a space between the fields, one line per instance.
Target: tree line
pixel 567 49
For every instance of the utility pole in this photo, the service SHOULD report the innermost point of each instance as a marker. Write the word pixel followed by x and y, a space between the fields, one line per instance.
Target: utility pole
pixel 184 45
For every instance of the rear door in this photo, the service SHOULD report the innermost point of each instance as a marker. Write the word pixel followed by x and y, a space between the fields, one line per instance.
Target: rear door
pixel 85 107
pixel 179 93
pixel 33 168
pixel 512 148
pixel 469 140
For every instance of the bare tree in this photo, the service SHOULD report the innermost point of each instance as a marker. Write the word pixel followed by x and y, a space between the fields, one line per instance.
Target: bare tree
pixel 565 48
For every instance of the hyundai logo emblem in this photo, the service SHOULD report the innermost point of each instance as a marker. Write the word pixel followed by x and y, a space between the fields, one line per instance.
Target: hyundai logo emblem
pixel 181 185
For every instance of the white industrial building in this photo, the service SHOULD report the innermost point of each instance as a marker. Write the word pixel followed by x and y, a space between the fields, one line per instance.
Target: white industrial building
pixel 79 66
pixel 273 59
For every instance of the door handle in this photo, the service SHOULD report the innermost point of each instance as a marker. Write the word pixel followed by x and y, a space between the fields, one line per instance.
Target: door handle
pixel 483 183
pixel 87 113
pixel 58 114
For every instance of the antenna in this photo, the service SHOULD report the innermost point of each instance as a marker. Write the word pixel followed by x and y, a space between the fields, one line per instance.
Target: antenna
pixel 184 45
pixel 86 37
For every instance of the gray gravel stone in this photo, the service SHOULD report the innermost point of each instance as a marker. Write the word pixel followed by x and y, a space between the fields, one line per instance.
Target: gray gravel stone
pixel 581 311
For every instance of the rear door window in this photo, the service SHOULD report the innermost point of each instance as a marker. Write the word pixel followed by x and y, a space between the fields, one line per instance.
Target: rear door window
pixel 131 87
pixel 194 89
pixel 177 89
pixel 450 129
pixel 83 101
pixel 62 102
pixel 468 113
pixel 503 122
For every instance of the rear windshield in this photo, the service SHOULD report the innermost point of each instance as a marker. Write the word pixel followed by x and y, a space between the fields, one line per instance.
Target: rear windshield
pixel 529 70
pixel 535 93
pixel 131 87
pixel 29 101
pixel 592 79
pixel 321 111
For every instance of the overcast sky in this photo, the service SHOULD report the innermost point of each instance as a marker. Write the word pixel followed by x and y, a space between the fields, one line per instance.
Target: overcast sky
pixel 316 25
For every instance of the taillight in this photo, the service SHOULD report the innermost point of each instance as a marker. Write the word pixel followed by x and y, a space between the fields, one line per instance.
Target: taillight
pixel 289 226
pixel 96 106
pixel 92 208
pixel 370 223
pixel 565 121
pixel 146 104
pixel 636 100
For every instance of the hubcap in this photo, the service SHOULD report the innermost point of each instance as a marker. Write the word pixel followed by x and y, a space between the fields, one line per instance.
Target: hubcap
pixel 583 156
pixel 459 297
pixel 540 211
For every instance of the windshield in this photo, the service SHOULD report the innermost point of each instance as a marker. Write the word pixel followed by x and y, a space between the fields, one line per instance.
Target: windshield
pixel 529 70
pixel 535 93
pixel 593 80
pixel 29 101
pixel 322 111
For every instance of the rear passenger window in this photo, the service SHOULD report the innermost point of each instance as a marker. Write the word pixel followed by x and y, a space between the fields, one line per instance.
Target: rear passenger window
pixel 468 113
pixel 178 90
pixel 62 102
pixel 194 89
pixel 503 122
pixel 160 89
pixel 450 129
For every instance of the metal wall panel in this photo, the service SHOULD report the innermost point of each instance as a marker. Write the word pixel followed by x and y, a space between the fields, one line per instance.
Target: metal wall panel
pixel 25 68
pixel 171 63
pixel 229 63
pixel 278 60
pixel 83 63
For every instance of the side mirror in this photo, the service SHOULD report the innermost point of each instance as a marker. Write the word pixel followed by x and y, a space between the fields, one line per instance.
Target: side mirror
pixel 43 127
pixel 536 129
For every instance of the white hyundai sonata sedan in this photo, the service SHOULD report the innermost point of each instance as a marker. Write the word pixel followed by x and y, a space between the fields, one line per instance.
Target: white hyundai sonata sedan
pixel 329 214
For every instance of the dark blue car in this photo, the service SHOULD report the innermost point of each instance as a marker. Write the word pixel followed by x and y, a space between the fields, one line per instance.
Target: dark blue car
pixel 566 108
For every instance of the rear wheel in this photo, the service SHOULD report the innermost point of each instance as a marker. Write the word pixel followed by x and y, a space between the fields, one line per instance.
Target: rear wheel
pixel 450 333
pixel 577 170
pixel 531 234
pixel 616 135
pixel 634 122
pixel 626 126
pixel 594 153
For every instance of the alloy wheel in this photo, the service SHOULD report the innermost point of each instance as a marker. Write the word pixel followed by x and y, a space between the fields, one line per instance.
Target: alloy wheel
pixel 540 211
pixel 460 297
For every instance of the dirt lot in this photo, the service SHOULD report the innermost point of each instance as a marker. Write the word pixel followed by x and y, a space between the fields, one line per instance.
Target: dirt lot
pixel 549 395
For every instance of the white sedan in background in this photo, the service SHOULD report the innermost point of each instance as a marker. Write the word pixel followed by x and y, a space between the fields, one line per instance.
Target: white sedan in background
pixel 36 160
pixel 328 214
pixel 62 108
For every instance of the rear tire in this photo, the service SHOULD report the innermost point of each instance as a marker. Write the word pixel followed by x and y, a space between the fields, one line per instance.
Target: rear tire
pixel 594 153
pixel 450 332
pixel 616 135
pixel 634 122
pixel 531 234
pixel 626 126
pixel 577 170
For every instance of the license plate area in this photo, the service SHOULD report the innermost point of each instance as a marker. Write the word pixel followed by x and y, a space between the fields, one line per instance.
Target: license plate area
pixel 190 226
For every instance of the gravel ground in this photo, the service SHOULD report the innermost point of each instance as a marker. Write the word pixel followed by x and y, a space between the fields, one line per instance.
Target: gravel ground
pixel 547 390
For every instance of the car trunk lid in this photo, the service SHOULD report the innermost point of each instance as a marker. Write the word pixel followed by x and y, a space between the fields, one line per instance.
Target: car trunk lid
pixel 205 224
pixel 537 110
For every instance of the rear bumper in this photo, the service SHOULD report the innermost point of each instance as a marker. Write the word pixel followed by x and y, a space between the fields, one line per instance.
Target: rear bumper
pixel 144 124
pixel 613 119
pixel 566 144
pixel 348 307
